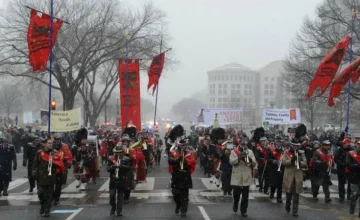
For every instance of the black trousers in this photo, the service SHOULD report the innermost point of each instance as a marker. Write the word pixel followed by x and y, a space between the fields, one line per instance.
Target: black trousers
pixel 225 180
pixel 237 191
pixel 158 157
pixel 29 175
pixel 325 188
pixel 264 179
pixel 127 194
pixel 117 199
pixel 181 197
pixel 58 186
pixel 278 190
pixel 342 178
pixel 294 197
pixel 45 194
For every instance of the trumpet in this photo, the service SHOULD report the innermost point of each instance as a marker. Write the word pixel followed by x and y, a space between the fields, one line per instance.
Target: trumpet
pixel 50 164
pixel 297 160
pixel 182 162
pixel 329 168
pixel 279 169
pixel 117 169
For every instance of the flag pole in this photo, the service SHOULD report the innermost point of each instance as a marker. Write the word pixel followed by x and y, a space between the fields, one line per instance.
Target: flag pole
pixel 353 14
pixel 157 88
pixel 127 37
pixel 51 61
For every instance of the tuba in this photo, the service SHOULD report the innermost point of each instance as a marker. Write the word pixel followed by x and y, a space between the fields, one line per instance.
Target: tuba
pixel 137 144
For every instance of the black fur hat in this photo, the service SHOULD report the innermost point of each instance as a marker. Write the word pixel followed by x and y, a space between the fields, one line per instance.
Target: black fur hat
pixel 300 131
pixel 131 131
pixel 81 134
pixel 216 134
pixel 258 133
pixel 176 132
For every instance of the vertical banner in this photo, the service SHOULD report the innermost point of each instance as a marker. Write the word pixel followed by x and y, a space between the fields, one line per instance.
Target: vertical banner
pixel 155 71
pixel 38 39
pixel 130 99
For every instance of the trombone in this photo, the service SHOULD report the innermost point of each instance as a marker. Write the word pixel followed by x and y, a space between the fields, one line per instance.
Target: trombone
pixel 50 164
pixel 279 168
pixel 182 162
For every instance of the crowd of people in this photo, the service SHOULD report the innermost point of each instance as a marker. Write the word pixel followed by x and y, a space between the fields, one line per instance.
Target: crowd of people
pixel 233 161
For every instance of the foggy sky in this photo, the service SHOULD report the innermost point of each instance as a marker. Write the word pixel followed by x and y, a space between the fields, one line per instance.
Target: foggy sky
pixel 210 33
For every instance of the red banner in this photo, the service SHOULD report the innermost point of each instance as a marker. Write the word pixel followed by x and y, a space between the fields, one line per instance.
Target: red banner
pixel 341 80
pixel 328 67
pixel 38 39
pixel 130 94
pixel 155 70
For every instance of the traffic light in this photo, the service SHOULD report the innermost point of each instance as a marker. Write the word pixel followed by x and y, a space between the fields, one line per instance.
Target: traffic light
pixel 53 105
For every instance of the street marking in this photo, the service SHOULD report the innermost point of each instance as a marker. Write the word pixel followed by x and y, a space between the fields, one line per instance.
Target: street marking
pixel 74 214
pixel 105 186
pixel 203 212
pixel 308 185
pixel 64 211
pixel 17 183
pixel 71 187
pixel 34 198
pixel 142 195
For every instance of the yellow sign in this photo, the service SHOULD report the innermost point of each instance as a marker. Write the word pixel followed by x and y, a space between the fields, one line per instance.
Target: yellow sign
pixel 61 121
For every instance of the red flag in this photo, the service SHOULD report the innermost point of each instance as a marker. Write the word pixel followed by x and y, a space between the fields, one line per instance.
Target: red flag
pixel 341 81
pixel 356 75
pixel 38 39
pixel 131 105
pixel 155 70
pixel 328 67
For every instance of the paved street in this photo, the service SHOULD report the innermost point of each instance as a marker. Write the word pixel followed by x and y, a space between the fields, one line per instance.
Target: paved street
pixel 153 200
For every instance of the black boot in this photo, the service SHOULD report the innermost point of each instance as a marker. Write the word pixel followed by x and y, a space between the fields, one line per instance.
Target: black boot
pixel 177 209
pixel 295 204
pixel 112 211
pixel 352 206
pixel 235 206
pixel 279 196
pixel 288 202
pixel 42 211
pixel 6 186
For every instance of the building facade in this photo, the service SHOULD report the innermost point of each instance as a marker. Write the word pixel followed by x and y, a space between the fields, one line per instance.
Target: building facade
pixel 234 85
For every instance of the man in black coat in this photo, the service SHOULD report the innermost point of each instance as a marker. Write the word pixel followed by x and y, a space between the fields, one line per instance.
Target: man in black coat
pixel 340 160
pixel 8 163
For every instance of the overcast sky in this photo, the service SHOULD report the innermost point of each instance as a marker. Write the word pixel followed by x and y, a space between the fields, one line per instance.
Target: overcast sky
pixel 210 33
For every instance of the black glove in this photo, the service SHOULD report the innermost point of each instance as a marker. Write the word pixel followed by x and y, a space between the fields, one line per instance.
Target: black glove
pixel 14 168
pixel 294 159
pixel 24 164
pixel 250 160
pixel 69 166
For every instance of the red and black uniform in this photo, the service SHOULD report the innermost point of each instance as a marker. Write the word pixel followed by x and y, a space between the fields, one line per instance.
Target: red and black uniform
pixel 260 155
pixel 181 180
pixel 321 160
pixel 275 175
pixel 353 169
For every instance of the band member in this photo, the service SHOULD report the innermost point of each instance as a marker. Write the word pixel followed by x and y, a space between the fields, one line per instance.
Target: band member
pixel 353 168
pixel 244 166
pixel 323 163
pixel 63 152
pixel 84 160
pixel 340 160
pixel 183 162
pixel 44 171
pixel 217 137
pixel 131 173
pixel 157 148
pixel 293 160
pixel 260 155
pixel 276 169
pixel 8 163
pixel 118 167
pixel 226 168
pixel 30 150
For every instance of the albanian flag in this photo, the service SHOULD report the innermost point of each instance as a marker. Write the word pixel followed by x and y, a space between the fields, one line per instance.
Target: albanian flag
pixel 328 67
pixel 38 38
pixel 341 80
pixel 155 70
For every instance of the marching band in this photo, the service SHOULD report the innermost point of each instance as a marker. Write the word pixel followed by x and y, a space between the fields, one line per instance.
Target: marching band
pixel 231 161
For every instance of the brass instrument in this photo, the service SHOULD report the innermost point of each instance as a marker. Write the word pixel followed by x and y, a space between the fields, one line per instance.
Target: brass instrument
pixel 138 144
pixel 297 160
pixel 182 162
pixel 330 166
pixel 50 164
pixel 282 155
pixel 117 169
pixel 225 143
pixel 227 152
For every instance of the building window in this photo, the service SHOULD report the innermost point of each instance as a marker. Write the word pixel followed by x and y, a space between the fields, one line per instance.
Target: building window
pixel 266 79
pixel 272 78
pixel 245 92
pixel 266 101
pixel 220 86
pixel 227 78
pixel 266 86
pixel 236 78
pixel 233 86
pixel 266 92
pixel 238 86
pixel 271 92
pixel 231 78
pixel 240 78
pixel 271 86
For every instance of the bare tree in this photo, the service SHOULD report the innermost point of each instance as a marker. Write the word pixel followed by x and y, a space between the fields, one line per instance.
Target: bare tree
pixel 10 99
pixel 94 37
